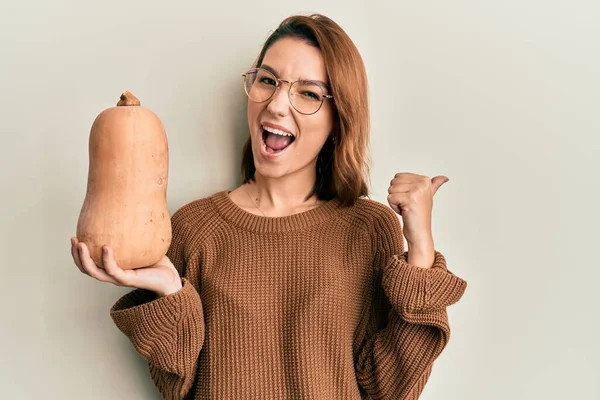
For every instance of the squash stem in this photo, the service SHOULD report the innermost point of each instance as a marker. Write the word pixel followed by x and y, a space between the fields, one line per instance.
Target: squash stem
pixel 128 99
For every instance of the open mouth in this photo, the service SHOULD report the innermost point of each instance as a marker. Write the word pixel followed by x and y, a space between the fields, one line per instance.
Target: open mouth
pixel 276 140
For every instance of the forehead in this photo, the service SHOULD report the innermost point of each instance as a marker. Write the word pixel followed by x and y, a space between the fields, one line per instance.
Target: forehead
pixel 295 59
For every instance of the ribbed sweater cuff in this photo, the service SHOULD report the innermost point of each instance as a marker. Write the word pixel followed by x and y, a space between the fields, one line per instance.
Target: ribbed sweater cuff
pixel 412 289
pixel 163 329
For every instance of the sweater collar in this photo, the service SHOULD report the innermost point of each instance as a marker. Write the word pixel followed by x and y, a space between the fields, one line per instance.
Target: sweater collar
pixel 256 223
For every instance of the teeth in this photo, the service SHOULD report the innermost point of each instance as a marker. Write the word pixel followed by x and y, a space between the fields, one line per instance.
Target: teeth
pixel 277 131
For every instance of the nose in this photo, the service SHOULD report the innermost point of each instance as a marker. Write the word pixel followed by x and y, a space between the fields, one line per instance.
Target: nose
pixel 280 103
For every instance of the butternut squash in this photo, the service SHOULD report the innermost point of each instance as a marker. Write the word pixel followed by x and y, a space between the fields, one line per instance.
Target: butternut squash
pixel 125 205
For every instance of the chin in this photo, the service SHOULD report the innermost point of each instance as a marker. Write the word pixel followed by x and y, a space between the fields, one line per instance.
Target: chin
pixel 270 171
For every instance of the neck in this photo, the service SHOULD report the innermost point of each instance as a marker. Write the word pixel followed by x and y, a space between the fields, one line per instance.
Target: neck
pixel 285 195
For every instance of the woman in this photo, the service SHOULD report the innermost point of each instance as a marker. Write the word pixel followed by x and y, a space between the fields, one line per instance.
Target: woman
pixel 294 285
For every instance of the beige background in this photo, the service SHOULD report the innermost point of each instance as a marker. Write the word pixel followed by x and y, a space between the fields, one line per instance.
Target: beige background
pixel 502 97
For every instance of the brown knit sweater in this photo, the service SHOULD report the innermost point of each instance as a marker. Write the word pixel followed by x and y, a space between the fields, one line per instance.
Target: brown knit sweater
pixel 317 305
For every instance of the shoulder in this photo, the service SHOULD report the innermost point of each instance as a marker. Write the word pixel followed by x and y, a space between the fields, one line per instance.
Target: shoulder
pixel 192 210
pixel 380 222
pixel 195 214
pixel 373 215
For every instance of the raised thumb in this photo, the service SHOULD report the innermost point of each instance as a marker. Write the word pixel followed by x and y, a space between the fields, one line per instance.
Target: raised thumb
pixel 437 182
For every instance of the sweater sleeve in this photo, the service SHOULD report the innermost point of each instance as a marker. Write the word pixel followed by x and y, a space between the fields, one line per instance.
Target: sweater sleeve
pixel 168 332
pixel 409 325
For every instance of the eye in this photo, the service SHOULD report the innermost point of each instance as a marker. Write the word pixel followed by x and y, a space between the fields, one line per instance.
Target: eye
pixel 310 95
pixel 267 81
pixel 308 91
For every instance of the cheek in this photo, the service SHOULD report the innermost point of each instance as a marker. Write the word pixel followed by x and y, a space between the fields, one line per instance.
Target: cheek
pixel 318 129
pixel 254 110
pixel 313 140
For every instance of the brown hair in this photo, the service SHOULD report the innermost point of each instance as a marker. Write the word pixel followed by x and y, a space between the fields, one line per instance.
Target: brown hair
pixel 342 164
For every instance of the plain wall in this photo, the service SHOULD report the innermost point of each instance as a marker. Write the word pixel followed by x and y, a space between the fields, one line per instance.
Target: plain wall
pixel 501 97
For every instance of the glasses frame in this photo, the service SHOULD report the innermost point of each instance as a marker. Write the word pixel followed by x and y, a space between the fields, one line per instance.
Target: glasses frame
pixel 290 84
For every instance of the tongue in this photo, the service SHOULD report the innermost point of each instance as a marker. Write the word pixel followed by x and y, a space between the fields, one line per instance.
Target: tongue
pixel 277 142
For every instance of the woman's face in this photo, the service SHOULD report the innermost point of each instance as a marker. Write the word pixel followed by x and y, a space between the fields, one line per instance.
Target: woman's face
pixel 291 60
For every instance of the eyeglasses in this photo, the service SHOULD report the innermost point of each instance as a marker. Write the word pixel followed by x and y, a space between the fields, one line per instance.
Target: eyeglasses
pixel 305 96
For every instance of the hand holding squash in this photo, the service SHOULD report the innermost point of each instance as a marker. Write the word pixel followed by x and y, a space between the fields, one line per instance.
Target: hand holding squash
pixel 161 278
pixel 125 205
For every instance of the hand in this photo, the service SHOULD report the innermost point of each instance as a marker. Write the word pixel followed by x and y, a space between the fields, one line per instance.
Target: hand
pixel 161 278
pixel 411 196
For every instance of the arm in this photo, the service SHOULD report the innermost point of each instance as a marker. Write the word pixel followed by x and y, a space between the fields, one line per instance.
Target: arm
pixel 167 331
pixel 409 327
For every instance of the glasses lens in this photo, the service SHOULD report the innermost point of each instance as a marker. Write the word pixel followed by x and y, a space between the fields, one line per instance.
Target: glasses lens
pixel 306 97
pixel 259 85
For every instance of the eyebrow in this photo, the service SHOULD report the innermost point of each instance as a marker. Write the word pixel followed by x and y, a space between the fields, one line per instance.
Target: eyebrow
pixel 272 70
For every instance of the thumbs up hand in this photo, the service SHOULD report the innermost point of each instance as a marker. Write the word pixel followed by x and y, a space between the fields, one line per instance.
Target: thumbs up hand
pixel 411 196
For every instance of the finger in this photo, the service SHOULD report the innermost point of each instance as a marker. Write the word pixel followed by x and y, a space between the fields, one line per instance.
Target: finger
pixel 400 188
pixel 91 268
pixel 397 209
pixel 75 253
pixel 406 175
pixel 403 179
pixel 124 277
pixel 395 201
pixel 437 182
pixel 399 199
